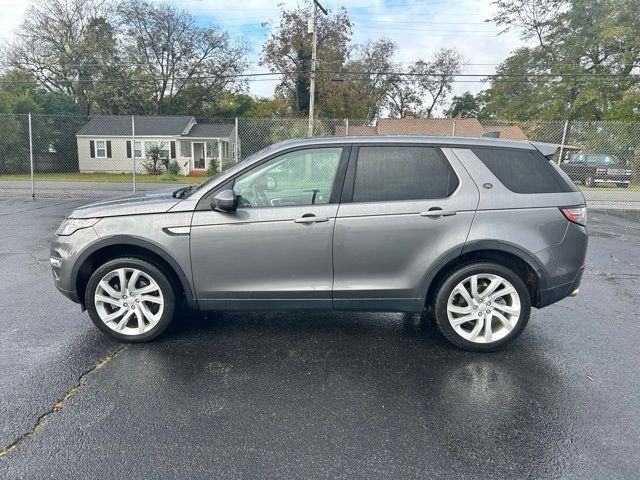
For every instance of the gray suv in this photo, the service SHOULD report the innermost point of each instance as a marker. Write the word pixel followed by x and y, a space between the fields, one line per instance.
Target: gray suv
pixel 476 230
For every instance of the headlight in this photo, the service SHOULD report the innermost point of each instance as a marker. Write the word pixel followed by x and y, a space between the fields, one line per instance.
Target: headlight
pixel 72 225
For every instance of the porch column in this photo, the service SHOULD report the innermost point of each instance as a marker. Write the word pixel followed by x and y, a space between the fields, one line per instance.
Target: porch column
pixel 220 154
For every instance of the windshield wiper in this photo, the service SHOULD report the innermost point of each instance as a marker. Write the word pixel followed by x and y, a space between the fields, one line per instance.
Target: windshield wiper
pixel 179 193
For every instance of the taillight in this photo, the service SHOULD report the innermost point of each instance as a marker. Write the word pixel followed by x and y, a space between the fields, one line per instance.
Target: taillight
pixel 575 214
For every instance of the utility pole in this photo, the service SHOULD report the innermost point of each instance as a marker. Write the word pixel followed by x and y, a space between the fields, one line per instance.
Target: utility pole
pixel 313 29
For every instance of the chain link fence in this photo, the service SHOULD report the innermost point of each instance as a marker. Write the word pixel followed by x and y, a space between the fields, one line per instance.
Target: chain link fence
pixel 97 156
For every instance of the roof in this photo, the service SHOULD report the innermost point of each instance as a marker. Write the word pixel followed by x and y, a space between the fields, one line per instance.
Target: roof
pixel 149 126
pixel 120 125
pixel 356 130
pixel 211 130
pixel 467 127
pixel 512 132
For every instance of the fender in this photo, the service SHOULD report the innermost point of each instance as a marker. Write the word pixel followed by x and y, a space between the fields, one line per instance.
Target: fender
pixel 452 254
pixel 138 242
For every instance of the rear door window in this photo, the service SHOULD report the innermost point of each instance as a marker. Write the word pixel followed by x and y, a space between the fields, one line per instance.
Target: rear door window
pixel 395 173
pixel 523 171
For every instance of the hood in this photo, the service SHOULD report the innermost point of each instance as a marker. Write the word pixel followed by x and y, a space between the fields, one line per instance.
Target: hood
pixel 158 201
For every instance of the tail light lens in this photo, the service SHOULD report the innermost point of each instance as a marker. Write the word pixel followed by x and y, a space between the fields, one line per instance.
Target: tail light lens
pixel 601 171
pixel 575 214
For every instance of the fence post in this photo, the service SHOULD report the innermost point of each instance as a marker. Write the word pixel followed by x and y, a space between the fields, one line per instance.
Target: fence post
pixel 235 144
pixel 133 149
pixel 453 128
pixel 220 155
pixel 564 139
pixel 33 191
pixel 346 126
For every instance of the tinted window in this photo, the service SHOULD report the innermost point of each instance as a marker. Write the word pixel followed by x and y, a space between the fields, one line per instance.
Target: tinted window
pixel 523 171
pixel 402 173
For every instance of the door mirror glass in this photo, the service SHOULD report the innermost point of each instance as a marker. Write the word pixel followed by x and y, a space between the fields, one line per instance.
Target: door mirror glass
pixel 225 201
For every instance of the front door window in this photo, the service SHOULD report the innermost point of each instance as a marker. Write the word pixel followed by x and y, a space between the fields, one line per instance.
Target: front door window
pixel 301 177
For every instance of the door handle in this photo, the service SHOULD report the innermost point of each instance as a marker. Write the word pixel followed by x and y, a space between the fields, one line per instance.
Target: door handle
pixel 437 213
pixel 311 219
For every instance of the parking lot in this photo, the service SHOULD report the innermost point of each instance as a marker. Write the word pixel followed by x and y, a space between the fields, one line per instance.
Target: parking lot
pixel 316 395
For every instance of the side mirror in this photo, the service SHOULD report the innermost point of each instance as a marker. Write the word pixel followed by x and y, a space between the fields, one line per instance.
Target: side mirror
pixel 225 201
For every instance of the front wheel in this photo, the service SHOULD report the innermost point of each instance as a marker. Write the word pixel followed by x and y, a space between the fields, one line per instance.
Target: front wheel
pixel 482 307
pixel 588 182
pixel 622 185
pixel 130 299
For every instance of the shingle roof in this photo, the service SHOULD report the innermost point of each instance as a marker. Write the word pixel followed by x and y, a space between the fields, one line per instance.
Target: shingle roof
pixel 356 130
pixel 211 130
pixel 465 127
pixel 117 125
pixel 511 132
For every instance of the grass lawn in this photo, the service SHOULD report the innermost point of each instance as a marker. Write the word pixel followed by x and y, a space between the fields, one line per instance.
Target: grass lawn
pixel 104 177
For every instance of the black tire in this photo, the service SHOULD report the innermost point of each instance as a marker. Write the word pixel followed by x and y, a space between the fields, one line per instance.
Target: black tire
pixel 623 185
pixel 588 182
pixel 454 278
pixel 155 272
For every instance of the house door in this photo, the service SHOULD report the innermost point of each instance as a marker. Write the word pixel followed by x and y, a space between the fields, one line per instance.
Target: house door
pixel 199 159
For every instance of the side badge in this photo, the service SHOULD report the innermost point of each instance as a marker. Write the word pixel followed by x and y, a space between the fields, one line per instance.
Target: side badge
pixel 488 186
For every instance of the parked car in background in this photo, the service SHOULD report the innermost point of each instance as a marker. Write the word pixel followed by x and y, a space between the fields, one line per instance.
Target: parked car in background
pixel 592 169
pixel 477 230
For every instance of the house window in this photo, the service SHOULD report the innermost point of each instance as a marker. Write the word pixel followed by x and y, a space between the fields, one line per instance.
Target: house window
pixel 164 150
pixel 138 149
pixel 225 149
pixel 185 149
pixel 101 149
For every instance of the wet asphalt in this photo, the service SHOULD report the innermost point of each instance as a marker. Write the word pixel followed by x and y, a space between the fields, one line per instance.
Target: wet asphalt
pixel 317 395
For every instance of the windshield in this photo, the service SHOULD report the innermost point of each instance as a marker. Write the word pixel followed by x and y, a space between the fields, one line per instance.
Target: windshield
pixel 596 159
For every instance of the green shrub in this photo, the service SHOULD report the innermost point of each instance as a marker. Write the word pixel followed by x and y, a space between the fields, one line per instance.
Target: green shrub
pixel 14 165
pixel 173 168
pixel 213 167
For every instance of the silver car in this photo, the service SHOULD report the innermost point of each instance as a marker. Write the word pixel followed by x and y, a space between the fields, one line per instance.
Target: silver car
pixel 476 230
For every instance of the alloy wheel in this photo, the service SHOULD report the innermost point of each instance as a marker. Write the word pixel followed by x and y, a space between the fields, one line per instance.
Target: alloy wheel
pixel 129 301
pixel 483 308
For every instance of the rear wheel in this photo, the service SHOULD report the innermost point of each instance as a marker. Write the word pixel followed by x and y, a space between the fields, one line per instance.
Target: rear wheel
pixel 130 299
pixel 588 182
pixel 622 185
pixel 482 306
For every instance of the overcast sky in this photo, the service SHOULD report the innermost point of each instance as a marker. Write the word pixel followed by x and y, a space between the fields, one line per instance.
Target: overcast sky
pixel 419 27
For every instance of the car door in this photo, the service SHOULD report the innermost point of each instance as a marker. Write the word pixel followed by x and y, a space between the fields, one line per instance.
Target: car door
pixel 404 207
pixel 275 250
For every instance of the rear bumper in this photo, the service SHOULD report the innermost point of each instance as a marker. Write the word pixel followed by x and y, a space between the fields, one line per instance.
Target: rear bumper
pixel 563 266
pixel 557 293
pixel 625 181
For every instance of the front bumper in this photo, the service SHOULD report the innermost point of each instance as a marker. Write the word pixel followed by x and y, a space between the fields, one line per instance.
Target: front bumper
pixel 64 253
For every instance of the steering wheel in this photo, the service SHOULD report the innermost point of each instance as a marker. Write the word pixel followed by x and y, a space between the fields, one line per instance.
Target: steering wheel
pixel 261 199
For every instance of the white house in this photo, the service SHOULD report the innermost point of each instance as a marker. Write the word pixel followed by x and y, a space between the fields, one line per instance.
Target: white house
pixel 105 143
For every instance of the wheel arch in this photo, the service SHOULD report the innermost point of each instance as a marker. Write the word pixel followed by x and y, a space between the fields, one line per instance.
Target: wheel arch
pixel 124 245
pixel 522 262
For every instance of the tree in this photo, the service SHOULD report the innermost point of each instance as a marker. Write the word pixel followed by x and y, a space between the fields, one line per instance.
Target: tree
pixel 581 65
pixel 287 51
pixel 434 79
pixel 466 105
pixel 54 45
pixel 172 52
